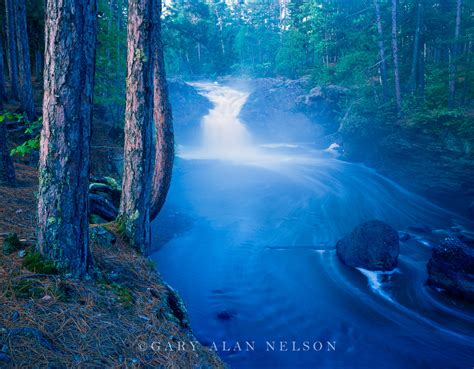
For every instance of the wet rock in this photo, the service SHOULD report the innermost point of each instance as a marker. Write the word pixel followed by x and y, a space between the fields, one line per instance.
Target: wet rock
pixel 372 245
pixel 420 228
pixel 404 236
pixel 224 315
pixel 451 268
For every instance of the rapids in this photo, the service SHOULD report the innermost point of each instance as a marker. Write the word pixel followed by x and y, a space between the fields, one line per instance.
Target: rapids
pixel 247 237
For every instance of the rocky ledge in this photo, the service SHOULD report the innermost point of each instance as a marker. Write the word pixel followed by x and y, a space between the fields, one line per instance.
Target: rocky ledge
pixel 451 268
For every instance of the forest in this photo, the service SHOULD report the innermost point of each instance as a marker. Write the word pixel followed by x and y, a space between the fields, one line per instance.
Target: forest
pixel 198 141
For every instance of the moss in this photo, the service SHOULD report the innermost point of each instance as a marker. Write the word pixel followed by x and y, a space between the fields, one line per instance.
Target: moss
pixel 151 264
pixel 25 289
pixel 34 262
pixel 124 295
pixel 11 244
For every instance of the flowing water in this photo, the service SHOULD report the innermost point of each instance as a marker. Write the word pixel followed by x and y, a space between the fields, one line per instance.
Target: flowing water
pixel 247 237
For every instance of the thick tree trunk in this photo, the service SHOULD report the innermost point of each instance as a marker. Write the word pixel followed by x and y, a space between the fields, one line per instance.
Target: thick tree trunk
pixel 163 120
pixel 453 51
pixel 3 91
pixel 7 170
pixel 134 214
pixel 12 49
pixel 63 203
pixel 396 70
pixel 412 82
pixel 383 64
pixel 24 67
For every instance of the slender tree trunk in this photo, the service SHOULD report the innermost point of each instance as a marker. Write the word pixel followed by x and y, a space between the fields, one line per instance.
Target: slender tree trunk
pixel 163 119
pixel 134 214
pixel 3 91
pixel 63 201
pixel 12 49
pixel 7 170
pixel 453 51
pixel 396 70
pixel 24 63
pixel 38 64
pixel 412 82
pixel 421 70
pixel 383 64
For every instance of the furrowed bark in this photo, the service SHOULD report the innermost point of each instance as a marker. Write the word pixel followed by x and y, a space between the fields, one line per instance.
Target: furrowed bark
pixel 163 121
pixel 134 214
pixel 12 49
pixel 63 203
pixel 24 67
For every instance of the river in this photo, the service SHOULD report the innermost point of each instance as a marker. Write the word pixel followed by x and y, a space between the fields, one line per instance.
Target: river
pixel 247 237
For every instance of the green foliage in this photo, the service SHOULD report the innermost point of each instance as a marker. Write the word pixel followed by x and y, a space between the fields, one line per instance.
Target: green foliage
pixel 11 244
pixel 26 289
pixel 33 130
pixel 34 262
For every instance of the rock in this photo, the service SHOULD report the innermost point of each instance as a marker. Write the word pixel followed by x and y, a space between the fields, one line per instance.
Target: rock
pixel 373 245
pixel 451 268
pixel 189 106
pixel 102 236
pixel 101 206
pixel 224 315
pixel 404 236
pixel 420 228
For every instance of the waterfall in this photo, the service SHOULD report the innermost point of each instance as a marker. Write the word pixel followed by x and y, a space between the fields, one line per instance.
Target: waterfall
pixel 224 136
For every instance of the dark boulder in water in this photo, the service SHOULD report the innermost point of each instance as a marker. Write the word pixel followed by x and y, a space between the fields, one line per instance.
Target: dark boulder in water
pixel 451 268
pixel 372 245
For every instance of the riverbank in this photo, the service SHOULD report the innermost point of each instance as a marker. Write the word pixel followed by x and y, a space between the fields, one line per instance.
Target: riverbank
pixel 51 320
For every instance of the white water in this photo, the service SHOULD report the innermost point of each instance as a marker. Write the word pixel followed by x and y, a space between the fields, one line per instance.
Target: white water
pixel 223 134
pixel 250 230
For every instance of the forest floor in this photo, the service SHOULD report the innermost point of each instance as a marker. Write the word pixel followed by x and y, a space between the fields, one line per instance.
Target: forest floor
pixel 49 320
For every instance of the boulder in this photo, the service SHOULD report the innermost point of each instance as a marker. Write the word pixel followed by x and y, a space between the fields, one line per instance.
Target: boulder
pixel 372 245
pixel 451 268
pixel 101 206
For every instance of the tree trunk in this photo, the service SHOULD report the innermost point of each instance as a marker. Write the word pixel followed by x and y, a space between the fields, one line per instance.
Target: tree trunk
pixel 38 64
pixel 3 91
pixel 163 119
pixel 7 170
pixel 412 82
pixel 421 70
pixel 12 49
pixel 453 51
pixel 24 67
pixel 383 64
pixel 134 214
pixel 396 70
pixel 63 203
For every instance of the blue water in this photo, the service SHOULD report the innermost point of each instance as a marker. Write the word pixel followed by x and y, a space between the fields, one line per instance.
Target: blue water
pixel 248 242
